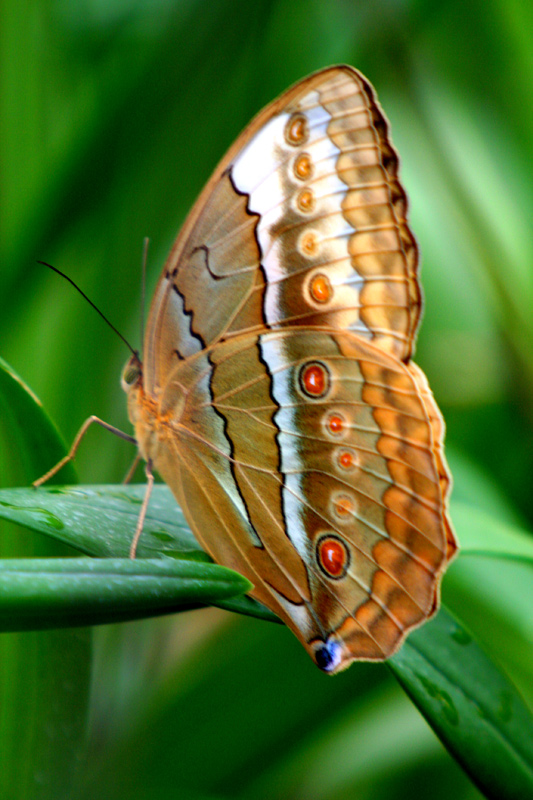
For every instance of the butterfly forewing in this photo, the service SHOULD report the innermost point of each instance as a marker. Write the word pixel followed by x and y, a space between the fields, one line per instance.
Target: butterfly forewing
pixel 278 399
pixel 302 223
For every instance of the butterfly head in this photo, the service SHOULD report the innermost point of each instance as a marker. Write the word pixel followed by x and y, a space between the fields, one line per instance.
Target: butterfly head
pixel 140 409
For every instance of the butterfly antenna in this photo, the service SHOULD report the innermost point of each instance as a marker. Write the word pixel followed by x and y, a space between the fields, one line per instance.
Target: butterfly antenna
pixel 66 277
pixel 146 245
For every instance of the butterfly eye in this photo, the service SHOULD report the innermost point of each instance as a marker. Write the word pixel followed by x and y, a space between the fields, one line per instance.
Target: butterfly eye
pixel 131 372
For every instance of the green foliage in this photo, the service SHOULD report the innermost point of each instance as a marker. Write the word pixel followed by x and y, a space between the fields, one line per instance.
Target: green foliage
pixel 113 116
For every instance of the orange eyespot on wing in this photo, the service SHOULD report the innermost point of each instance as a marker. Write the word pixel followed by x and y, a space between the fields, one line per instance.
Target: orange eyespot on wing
pixel 296 132
pixel 303 167
pixel 309 246
pixel 344 507
pixel 347 459
pixel 321 290
pixel 305 201
pixel 336 424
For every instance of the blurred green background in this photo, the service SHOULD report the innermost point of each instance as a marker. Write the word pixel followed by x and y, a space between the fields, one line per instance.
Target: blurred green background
pixel 113 115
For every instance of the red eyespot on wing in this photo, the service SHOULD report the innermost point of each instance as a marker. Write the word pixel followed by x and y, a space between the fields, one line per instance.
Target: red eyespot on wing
pixel 347 459
pixel 333 556
pixel 314 379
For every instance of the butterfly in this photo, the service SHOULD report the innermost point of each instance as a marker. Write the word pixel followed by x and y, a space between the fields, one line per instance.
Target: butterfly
pixel 277 397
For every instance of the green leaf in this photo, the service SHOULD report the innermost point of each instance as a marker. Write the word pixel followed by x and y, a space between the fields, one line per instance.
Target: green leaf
pixel 471 705
pixel 44 676
pixel 45 679
pixel 52 593
pixel 101 520
pixel 29 431
pixel 431 665
pixel 492 580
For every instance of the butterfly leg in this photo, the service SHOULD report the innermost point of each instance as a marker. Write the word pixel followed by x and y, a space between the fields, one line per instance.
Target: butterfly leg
pixel 144 508
pixel 79 436
pixel 131 472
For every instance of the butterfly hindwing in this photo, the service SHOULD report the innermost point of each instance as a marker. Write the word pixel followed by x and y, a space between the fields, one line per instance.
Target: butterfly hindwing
pixel 309 439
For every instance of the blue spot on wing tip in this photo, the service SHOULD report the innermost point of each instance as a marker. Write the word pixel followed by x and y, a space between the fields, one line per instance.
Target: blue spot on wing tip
pixel 328 656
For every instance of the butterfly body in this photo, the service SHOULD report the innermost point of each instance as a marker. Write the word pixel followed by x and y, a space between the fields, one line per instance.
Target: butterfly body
pixel 277 398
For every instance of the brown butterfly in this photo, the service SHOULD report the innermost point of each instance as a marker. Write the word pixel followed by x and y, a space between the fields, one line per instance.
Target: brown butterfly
pixel 277 397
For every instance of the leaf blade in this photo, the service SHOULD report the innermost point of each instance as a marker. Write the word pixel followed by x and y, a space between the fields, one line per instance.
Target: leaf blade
pixel 52 593
pixel 34 437
pixel 470 704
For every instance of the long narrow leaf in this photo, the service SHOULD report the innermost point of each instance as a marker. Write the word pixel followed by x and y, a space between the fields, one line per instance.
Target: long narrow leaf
pixel 44 675
pixel 60 592
pixel 31 434
pixel 101 520
pixel 488 535
pixel 471 705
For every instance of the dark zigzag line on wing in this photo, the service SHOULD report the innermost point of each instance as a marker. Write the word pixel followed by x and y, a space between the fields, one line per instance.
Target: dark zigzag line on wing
pixel 229 441
pixel 276 405
pixel 187 312
pixel 214 367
